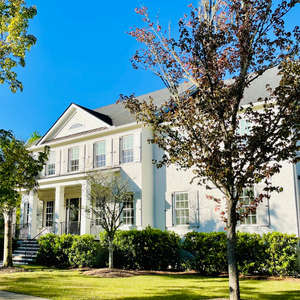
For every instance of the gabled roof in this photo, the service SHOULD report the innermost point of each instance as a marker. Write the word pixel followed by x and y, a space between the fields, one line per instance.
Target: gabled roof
pixel 117 115
pixel 103 120
pixel 257 89
pixel 98 115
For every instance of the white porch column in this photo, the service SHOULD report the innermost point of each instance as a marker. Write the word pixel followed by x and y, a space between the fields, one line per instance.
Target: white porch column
pixel 59 209
pixel 85 205
pixel 32 218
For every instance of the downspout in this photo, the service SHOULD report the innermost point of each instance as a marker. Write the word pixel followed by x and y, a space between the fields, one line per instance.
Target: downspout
pixel 297 199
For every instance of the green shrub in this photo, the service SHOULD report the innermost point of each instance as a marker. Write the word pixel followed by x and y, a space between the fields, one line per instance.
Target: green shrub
pixel 83 252
pixel 270 254
pixel 148 249
pixel 46 255
pixel 209 250
pixel 62 246
pixel 68 250
pixel 250 253
pixel 280 254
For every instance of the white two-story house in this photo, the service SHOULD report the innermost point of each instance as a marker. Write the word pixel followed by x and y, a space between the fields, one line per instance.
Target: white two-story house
pixel 108 139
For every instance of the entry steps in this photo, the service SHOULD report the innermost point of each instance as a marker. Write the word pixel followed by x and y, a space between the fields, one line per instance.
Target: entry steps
pixel 26 252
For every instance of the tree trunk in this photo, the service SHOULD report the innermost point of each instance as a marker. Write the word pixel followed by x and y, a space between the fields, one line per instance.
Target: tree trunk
pixel 110 254
pixel 7 256
pixel 234 288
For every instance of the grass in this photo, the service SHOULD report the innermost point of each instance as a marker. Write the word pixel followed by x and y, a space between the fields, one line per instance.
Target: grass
pixel 66 284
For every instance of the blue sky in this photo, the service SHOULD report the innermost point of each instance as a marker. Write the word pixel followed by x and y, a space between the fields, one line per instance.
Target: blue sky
pixel 82 55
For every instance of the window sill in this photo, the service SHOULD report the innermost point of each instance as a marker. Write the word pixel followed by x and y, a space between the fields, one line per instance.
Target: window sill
pixel 127 227
pixel 252 225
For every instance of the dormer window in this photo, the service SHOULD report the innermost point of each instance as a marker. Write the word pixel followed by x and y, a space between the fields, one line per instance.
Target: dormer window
pixel 50 166
pixel 99 154
pixel 73 159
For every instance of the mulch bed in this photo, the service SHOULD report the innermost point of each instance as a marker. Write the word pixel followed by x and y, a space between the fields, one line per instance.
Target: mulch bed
pixel 114 273
pixel 12 270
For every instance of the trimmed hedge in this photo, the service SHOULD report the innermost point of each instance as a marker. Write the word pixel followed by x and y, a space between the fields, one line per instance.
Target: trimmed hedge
pixel 270 254
pixel 148 249
pixel 68 250
pixel 209 250
pixel 153 249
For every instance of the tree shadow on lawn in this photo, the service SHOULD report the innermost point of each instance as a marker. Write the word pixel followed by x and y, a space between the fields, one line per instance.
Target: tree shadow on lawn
pixel 44 285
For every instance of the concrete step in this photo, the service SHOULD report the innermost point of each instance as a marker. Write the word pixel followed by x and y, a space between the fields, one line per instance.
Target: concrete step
pixel 24 255
pixel 28 247
pixel 26 252
pixel 18 251
pixel 23 260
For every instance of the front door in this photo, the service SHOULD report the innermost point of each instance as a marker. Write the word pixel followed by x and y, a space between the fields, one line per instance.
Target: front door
pixel 73 216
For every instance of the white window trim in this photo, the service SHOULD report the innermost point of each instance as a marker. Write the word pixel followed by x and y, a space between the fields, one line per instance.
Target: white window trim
pixel 121 149
pixel 175 210
pixel 250 214
pixel 94 155
pixel 70 160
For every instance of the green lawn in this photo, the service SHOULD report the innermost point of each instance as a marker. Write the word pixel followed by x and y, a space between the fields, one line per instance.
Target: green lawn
pixel 62 284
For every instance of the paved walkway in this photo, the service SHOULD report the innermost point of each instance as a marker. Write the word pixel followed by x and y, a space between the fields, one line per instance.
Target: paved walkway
pixel 13 296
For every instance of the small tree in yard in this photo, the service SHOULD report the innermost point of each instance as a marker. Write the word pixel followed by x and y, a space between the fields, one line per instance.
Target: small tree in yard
pixel 18 171
pixel 108 193
pixel 200 128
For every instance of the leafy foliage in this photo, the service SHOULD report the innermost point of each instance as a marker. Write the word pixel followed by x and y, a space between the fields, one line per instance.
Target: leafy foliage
pixel 83 252
pixel 198 127
pixel 148 249
pixel 15 40
pixel 270 254
pixel 209 250
pixel 18 171
pixel 68 251
pixel 280 254
pixel 107 195
pixel 34 137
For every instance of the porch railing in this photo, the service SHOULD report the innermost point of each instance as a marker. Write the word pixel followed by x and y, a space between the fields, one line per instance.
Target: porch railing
pixel 68 228
pixel 95 229
pixel 21 231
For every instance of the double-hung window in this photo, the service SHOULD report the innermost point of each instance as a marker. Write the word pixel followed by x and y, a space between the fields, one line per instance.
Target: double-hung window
pixel 99 154
pixel 128 212
pixel 98 212
pixel 49 213
pixel 50 166
pixel 127 149
pixel 246 201
pixel 26 213
pixel 182 208
pixel 73 159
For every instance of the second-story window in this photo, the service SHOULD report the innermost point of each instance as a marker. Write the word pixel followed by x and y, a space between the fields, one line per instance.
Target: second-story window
pixel 99 154
pixel 127 149
pixel 73 159
pixel 50 167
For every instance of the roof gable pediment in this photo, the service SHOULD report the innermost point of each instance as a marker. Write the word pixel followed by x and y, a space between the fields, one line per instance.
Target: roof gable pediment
pixel 76 119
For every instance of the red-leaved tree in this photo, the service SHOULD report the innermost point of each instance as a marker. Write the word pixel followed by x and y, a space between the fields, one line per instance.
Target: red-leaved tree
pixel 200 128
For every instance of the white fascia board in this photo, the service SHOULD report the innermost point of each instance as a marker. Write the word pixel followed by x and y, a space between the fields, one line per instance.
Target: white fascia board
pixel 104 132
pixel 64 118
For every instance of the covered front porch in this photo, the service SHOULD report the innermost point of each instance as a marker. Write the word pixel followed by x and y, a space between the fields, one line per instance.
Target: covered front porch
pixel 61 208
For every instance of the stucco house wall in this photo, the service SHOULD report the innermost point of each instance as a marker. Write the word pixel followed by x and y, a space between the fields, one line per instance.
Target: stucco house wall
pixel 155 190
